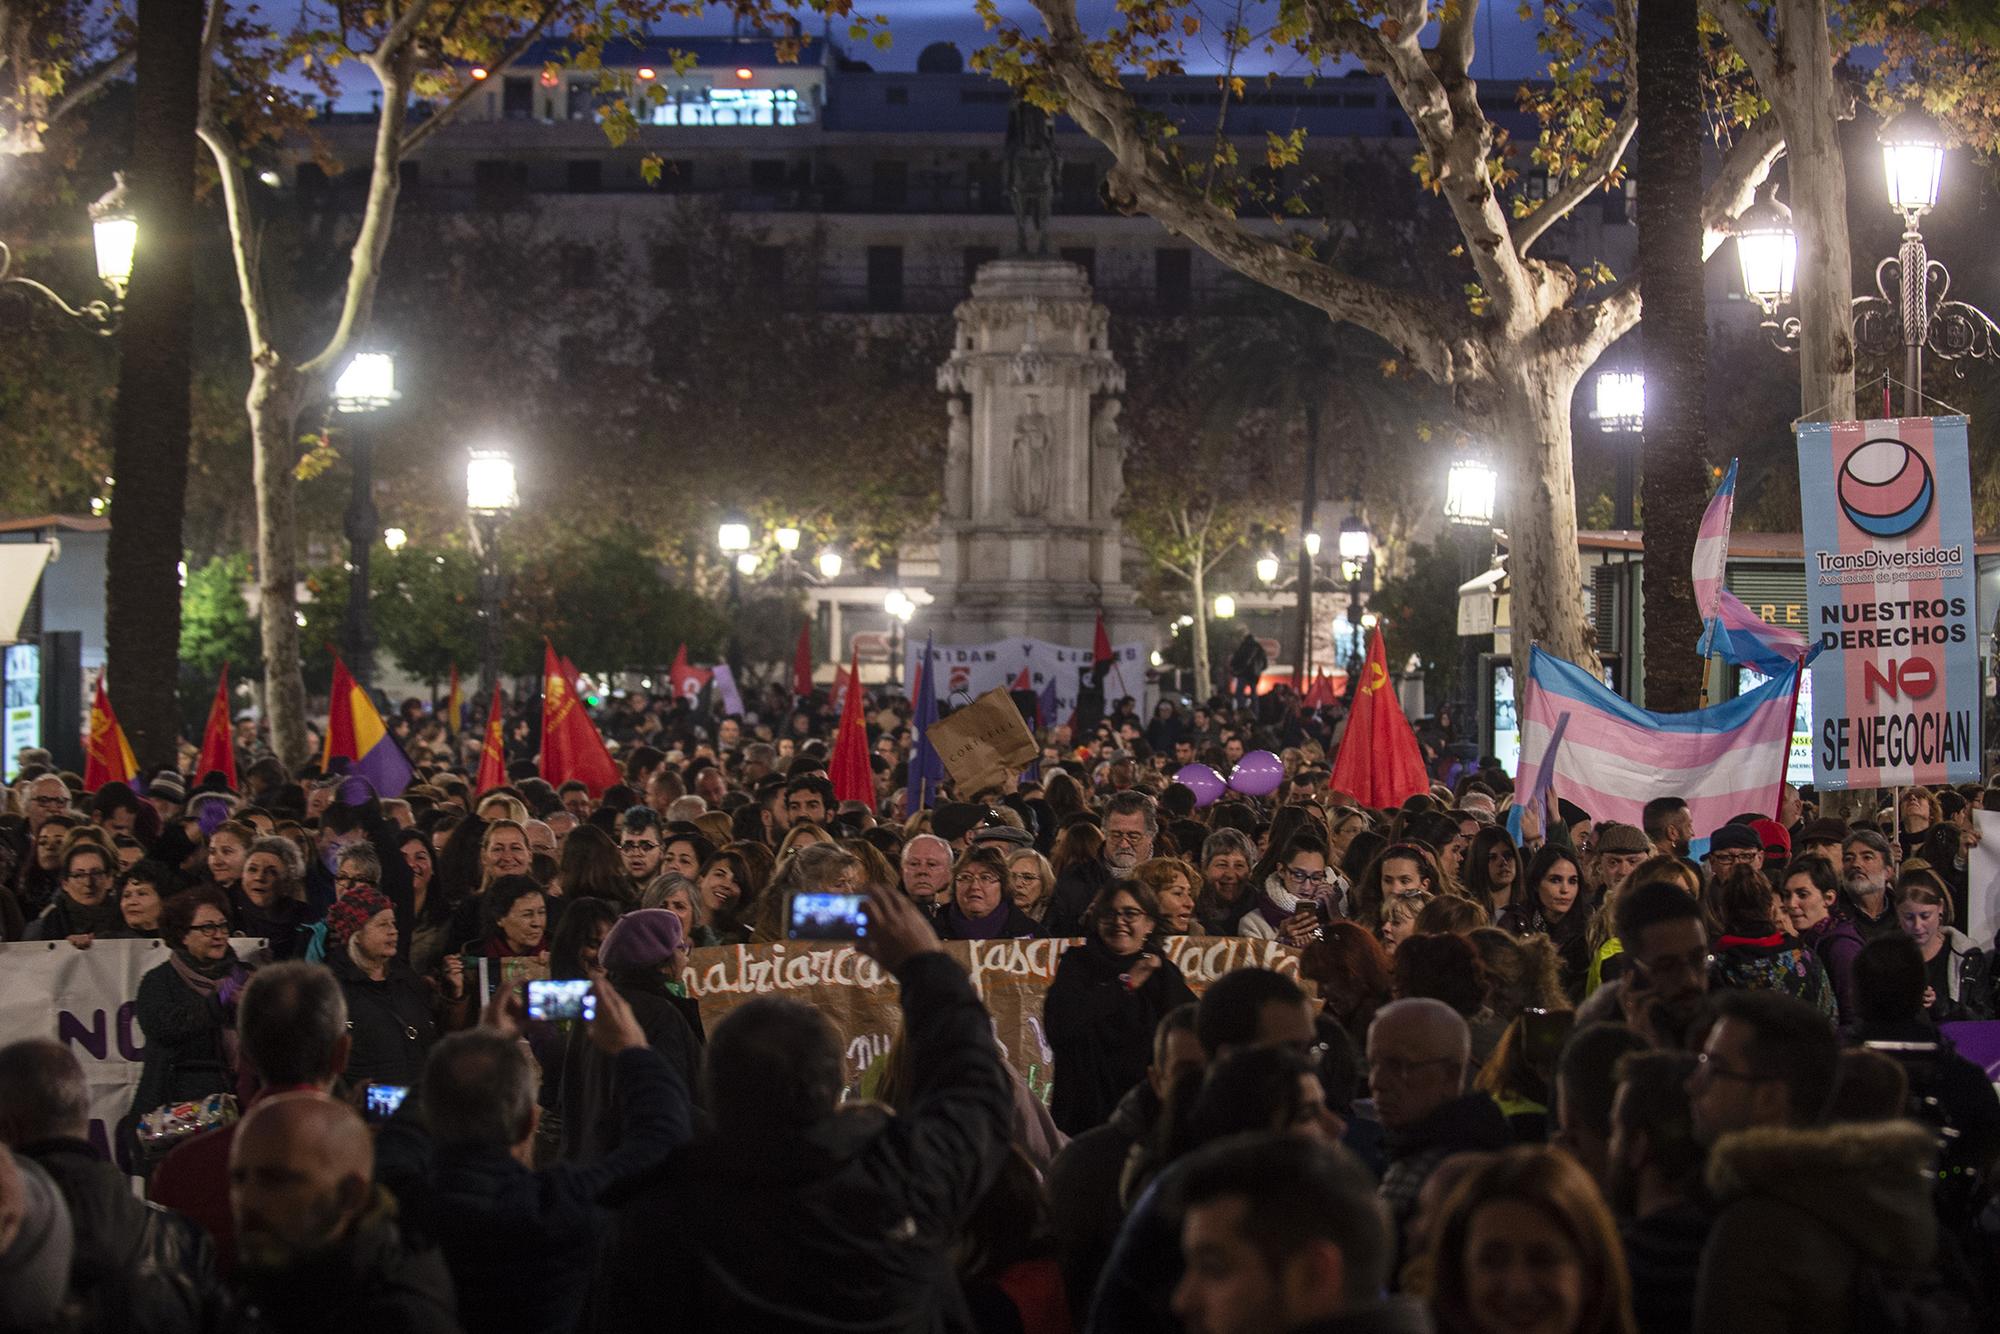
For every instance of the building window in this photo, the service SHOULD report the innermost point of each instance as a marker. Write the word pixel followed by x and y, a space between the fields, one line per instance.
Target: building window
pixel 1084 257
pixel 517 98
pixel 496 179
pixel 585 175
pixel 767 174
pixel 670 266
pixel 891 183
pixel 1173 278
pixel 677 176
pixel 1620 203
pixel 1079 187
pixel 579 265
pixel 767 268
pixel 885 277
pixel 976 255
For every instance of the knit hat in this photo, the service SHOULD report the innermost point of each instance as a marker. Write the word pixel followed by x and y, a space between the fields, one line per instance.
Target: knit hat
pixel 168 786
pixel 354 911
pixel 640 940
pixel 34 1268
pixel 1774 837
pixel 1623 839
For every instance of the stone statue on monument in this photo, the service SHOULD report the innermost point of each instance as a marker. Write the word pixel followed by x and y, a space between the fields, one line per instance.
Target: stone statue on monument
pixel 1032 166
pixel 957 461
pixel 1028 463
pixel 1107 460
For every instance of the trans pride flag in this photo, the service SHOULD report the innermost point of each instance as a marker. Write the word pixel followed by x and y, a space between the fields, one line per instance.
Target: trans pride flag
pixel 354 732
pixel 1611 757
pixel 1729 628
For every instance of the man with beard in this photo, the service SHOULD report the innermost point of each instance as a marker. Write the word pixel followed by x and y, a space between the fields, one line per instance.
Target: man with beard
pixel 1867 869
pixel 1669 825
pixel 1666 946
pixel 317 1243
pixel 1653 1182
pixel 1130 823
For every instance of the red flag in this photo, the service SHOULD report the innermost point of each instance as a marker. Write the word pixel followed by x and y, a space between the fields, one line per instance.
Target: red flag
pixel 1022 682
pixel 853 780
pixel 571 747
pixel 1379 762
pixel 839 695
pixel 686 681
pixel 107 754
pixel 218 750
pixel 493 752
pixel 1100 645
pixel 802 662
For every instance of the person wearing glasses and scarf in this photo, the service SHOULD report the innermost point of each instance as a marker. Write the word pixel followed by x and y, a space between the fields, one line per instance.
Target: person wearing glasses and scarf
pixel 1107 996
pixel 1288 905
pixel 84 906
pixel 186 1007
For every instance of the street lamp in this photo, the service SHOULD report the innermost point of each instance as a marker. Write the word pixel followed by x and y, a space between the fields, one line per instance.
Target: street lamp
pixel 829 565
pixel 1470 491
pixel 787 539
pixel 1225 606
pixel 115 234
pixel 1621 410
pixel 366 387
pixel 732 535
pixel 491 494
pixel 1908 319
pixel 395 538
pixel 1312 545
pixel 900 608
pixel 1267 569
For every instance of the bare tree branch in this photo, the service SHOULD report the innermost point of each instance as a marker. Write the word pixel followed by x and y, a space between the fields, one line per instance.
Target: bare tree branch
pixel 88 86
pixel 1559 205
pixel 1744 168
pixel 400 31
pixel 1745 32
pixel 242 243
pixel 1456 39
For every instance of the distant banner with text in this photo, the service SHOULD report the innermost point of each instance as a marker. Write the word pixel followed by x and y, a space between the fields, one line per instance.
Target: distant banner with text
pixel 1890 576
pixel 962 672
pixel 1012 976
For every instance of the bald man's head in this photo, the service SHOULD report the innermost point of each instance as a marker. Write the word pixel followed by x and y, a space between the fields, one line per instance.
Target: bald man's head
pixel 301 1170
pixel 1417 1054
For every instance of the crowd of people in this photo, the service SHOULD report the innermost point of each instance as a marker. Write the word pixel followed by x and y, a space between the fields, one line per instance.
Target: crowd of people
pixel 1523 1072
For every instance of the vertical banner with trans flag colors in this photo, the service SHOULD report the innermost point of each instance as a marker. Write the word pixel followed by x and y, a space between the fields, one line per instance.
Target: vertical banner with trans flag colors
pixel 1889 584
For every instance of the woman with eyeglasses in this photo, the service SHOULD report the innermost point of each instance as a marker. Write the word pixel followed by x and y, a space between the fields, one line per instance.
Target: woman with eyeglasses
pixel 187 1006
pixel 1100 1010
pixel 84 906
pixel 1295 897
pixel 980 907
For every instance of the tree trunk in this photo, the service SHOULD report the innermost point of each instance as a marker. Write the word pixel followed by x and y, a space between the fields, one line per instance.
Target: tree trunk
pixel 149 426
pixel 1530 423
pixel 1204 685
pixel 275 393
pixel 1676 343
pixel 1308 502
pixel 1812 108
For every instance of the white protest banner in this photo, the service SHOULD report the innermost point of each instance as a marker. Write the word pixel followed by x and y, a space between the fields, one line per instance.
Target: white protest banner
pixel 85 999
pixel 967 671
pixel 1982 879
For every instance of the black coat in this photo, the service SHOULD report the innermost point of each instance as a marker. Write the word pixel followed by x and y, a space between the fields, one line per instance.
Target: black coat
pixel 393 1022
pixel 184 1056
pixel 139 1268
pixel 373 1280
pixel 283 922
pixel 1075 890
pixel 1101 1034
pixel 591 1098
pixel 848 1224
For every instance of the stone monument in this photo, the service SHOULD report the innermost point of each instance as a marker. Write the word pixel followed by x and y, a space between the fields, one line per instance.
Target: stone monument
pixel 1029 541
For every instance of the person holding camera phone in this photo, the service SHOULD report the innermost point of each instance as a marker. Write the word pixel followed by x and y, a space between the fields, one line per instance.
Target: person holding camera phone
pixel 811 1214
pixel 458 1156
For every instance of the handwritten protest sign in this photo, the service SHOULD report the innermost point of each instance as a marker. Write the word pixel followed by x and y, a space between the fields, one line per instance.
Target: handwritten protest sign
pixel 985 743
pixel 861 1001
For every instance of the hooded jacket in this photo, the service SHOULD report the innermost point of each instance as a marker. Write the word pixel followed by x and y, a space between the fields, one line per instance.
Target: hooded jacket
pixel 1967 982
pixel 1800 1211
pixel 1836 942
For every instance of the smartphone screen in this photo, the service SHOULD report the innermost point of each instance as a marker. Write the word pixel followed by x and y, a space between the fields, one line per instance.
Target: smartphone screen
pixel 383 1100
pixel 1543 1033
pixel 828 917
pixel 557 1002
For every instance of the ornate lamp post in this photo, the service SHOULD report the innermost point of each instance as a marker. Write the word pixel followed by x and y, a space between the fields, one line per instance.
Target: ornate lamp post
pixel 366 387
pixel 1910 311
pixel 1621 410
pixel 732 537
pixel 115 233
pixel 490 496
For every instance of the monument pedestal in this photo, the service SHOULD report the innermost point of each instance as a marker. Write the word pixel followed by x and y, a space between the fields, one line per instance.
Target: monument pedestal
pixel 1029 544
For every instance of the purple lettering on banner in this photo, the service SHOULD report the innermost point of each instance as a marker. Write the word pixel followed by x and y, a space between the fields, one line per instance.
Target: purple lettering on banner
pixel 1979 1042
pixel 72 1031
pixel 130 1045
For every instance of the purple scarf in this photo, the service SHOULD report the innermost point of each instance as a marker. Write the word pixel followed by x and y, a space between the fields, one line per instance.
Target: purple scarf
pixel 203 980
pixel 988 927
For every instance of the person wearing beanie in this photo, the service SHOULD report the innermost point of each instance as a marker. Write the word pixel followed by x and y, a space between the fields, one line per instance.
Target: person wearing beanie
pixel 168 794
pixel 393 1017
pixel 642 956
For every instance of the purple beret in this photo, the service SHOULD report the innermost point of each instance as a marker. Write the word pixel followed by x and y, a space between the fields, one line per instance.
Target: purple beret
pixel 640 940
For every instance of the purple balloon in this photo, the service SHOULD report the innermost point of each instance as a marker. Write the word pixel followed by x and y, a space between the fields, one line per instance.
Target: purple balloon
pixel 1204 782
pixel 1258 774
